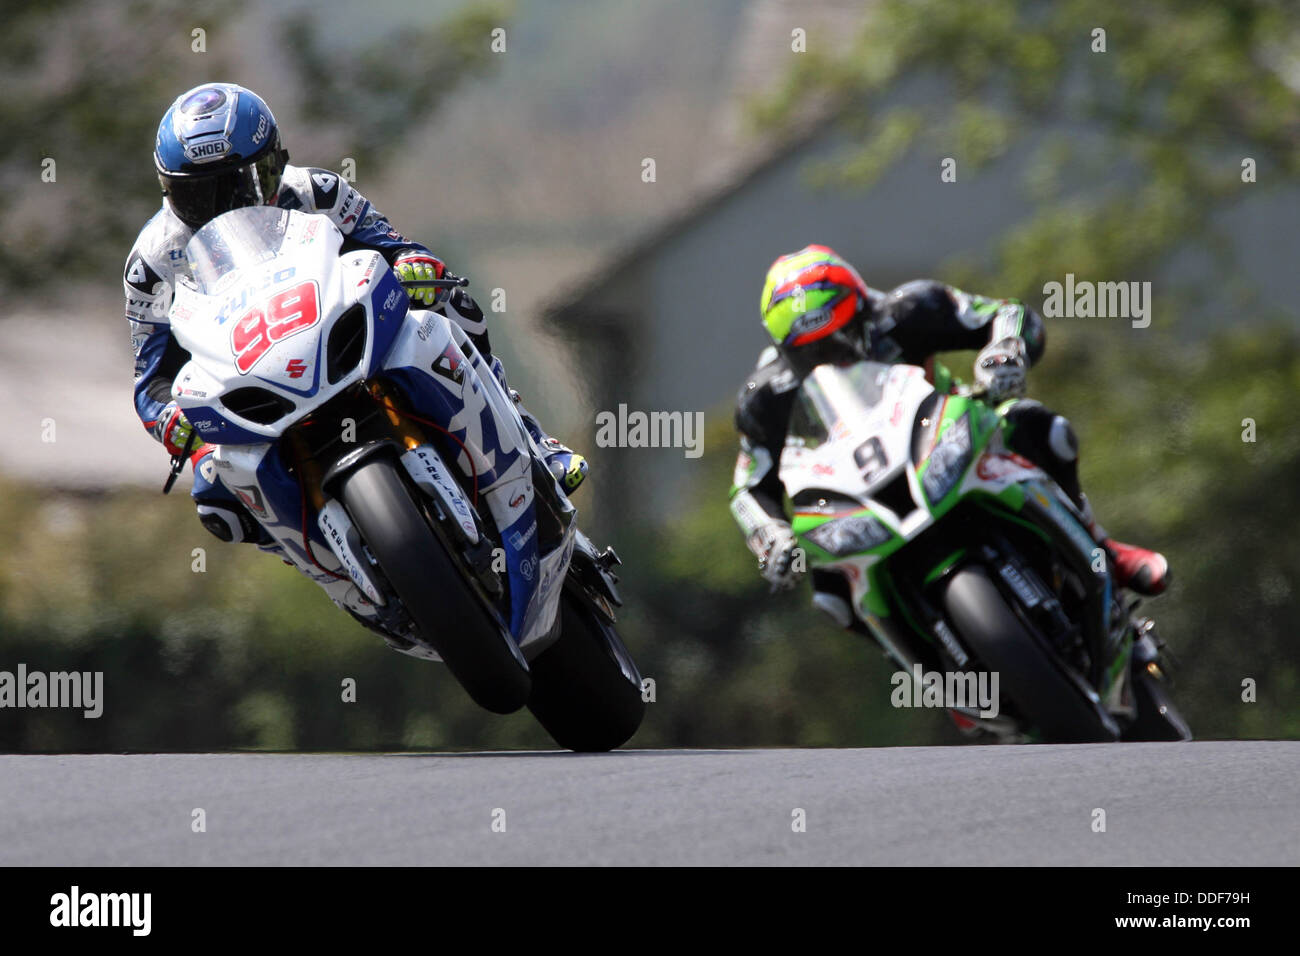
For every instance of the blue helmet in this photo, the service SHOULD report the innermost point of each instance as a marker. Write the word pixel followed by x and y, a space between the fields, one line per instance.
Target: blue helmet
pixel 218 149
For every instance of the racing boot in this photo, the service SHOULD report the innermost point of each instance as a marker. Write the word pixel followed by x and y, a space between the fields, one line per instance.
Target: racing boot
pixel 568 467
pixel 1141 571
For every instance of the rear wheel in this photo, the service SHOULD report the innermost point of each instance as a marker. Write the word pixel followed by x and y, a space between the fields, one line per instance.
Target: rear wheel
pixel 581 694
pixel 434 589
pixel 1046 698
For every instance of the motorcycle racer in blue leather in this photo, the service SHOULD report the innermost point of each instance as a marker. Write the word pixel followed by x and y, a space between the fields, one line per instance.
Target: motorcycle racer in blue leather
pixel 219 148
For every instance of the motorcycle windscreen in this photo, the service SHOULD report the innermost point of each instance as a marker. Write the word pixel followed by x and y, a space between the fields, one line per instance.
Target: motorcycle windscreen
pixel 239 239
pixel 837 395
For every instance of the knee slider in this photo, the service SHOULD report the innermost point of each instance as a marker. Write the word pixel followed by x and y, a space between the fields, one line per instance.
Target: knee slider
pixel 228 524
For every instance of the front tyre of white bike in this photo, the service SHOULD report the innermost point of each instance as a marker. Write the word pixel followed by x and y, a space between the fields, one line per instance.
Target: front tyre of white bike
pixel 433 588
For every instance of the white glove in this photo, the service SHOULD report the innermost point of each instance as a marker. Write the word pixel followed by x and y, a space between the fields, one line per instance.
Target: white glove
pixel 1000 368
pixel 775 545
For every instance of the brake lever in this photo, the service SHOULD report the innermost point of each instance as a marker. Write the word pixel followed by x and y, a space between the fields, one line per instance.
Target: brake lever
pixel 178 462
pixel 450 282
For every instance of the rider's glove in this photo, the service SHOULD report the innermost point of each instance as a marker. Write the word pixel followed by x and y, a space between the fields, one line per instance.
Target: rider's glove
pixel 775 545
pixel 415 265
pixel 173 429
pixel 1000 368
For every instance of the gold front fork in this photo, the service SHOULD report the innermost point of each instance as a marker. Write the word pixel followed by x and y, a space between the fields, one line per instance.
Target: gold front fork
pixel 406 429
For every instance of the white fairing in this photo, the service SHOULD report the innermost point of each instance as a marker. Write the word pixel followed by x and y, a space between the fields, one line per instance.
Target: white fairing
pixel 266 324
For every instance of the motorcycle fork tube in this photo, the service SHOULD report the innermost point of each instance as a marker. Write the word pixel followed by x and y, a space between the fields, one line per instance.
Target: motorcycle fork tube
pixel 1097 616
pixel 308 468
pixel 405 429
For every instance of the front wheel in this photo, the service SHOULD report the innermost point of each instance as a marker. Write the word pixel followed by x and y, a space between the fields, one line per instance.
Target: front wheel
pixel 581 694
pixel 434 589
pixel 1046 698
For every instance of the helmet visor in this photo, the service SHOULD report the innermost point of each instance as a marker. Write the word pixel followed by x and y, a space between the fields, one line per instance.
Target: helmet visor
pixel 842 347
pixel 197 200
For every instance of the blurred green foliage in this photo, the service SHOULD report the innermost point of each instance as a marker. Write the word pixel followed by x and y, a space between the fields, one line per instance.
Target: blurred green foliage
pixel 1156 125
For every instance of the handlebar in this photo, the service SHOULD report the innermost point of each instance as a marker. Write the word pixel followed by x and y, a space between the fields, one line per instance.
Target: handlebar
pixel 450 282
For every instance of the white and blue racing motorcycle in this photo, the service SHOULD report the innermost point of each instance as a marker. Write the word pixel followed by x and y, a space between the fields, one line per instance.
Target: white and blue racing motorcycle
pixel 390 465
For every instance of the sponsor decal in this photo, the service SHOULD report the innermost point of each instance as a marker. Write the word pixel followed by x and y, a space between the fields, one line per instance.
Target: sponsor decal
pixel 516 502
pixel 518 540
pixel 1016 581
pixel 392 299
pixel 324 187
pixel 450 364
pixel 369 272
pixel 251 496
pixel 810 322
pixel 447 488
pixel 208 151
pixel 338 542
pixel 347 210
pixel 263 126
pixel 238 300
pixel 140 276
pixel 949 641
pixel 296 368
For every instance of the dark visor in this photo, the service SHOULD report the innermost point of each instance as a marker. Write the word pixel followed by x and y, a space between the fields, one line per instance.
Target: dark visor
pixel 199 199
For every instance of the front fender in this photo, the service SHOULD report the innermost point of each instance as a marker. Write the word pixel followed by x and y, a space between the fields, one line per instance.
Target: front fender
pixel 355 457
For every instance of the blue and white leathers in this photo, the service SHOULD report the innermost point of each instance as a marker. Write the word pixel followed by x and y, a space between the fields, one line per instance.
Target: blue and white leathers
pixel 268 287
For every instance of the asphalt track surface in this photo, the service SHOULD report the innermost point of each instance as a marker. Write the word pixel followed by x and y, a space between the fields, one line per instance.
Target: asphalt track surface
pixel 1207 803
